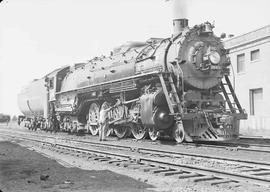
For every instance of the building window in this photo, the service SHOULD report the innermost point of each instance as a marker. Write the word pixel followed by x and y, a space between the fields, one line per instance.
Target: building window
pixel 255 55
pixel 256 101
pixel 240 63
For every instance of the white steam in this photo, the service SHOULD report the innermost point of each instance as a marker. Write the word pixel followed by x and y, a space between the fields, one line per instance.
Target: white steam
pixel 180 9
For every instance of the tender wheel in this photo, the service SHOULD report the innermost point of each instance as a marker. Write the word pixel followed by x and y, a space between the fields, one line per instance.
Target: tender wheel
pixel 121 131
pixel 178 132
pixel 93 116
pixel 153 133
pixel 138 131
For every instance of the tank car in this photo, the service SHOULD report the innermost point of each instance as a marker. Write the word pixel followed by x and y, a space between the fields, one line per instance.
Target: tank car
pixel 177 86
pixel 34 100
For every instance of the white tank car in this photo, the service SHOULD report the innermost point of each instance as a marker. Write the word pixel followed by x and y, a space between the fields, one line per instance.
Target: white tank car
pixel 32 98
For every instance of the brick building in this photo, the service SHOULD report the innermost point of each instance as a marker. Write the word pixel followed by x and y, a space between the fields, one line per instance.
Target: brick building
pixel 250 57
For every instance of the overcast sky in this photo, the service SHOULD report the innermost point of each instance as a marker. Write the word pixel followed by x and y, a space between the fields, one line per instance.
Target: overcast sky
pixel 37 36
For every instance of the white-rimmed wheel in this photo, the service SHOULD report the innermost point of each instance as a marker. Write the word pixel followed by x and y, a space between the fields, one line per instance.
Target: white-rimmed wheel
pixel 93 116
pixel 118 113
pixel 121 131
pixel 153 133
pixel 138 131
pixel 178 132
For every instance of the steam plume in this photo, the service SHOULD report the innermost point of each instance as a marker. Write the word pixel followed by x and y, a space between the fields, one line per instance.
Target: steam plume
pixel 179 9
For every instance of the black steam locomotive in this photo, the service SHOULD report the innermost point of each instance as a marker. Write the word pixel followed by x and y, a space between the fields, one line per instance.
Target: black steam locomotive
pixel 177 86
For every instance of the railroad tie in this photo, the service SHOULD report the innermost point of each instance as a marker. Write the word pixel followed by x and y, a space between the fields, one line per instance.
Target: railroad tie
pixel 121 163
pixel 114 161
pixel 160 170
pixel 254 169
pixel 222 181
pixel 189 175
pixel 91 157
pixel 84 156
pixel 118 163
pixel 242 166
pixel 133 165
pixel 124 164
pixel 175 172
pixel 105 159
pixel 137 166
pixel 262 173
pixel 99 158
pixel 151 168
pixel 205 178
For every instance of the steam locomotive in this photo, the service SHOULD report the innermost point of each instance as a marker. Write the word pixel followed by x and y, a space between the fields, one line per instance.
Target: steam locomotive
pixel 177 86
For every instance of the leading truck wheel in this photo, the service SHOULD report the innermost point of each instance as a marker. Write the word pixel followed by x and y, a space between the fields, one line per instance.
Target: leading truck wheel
pixel 93 116
pixel 178 132
pixel 153 133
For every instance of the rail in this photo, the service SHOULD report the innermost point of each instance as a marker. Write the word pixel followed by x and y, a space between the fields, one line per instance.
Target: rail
pixel 158 165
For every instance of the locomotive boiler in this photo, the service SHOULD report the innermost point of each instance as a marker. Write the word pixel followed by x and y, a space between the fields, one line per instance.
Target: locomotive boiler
pixel 177 86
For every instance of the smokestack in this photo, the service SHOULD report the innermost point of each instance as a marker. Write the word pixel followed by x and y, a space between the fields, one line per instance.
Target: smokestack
pixel 179 25
pixel 180 21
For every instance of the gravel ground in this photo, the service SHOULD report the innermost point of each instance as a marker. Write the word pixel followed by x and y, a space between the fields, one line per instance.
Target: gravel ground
pixel 25 170
pixel 161 183
pixel 163 145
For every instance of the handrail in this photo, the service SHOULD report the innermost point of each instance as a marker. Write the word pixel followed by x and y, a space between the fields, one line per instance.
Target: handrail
pixel 108 82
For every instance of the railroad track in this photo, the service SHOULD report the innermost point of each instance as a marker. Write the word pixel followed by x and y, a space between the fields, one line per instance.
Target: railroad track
pixel 237 145
pixel 153 161
pixel 240 146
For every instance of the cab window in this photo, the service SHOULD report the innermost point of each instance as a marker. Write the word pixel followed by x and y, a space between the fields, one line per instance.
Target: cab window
pixel 51 83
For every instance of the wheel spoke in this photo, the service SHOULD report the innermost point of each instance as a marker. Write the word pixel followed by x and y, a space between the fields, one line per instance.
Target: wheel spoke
pixel 178 133
pixel 138 131
pixel 121 131
pixel 93 116
pixel 153 133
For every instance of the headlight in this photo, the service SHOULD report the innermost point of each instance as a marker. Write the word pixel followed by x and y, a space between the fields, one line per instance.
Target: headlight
pixel 214 57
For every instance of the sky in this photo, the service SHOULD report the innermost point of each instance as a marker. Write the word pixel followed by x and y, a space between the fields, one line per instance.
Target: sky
pixel 38 36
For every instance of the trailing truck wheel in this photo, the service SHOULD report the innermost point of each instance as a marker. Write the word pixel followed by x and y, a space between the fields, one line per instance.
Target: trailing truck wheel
pixel 153 133
pixel 93 116
pixel 138 131
pixel 178 132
